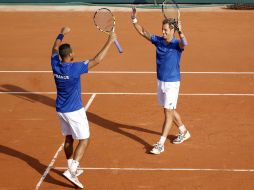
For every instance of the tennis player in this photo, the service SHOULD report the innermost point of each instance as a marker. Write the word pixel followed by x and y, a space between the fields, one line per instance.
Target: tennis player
pixel 69 107
pixel 168 54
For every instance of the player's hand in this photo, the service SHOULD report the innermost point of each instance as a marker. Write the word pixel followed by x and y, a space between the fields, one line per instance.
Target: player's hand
pixel 65 30
pixel 134 13
pixel 175 24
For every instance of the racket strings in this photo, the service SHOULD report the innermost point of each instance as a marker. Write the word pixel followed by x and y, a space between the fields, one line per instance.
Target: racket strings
pixel 170 10
pixel 104 20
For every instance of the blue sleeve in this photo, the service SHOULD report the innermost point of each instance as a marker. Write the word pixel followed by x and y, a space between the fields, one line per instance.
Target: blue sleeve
pixel 154 39
pixel 55 59
pixel 178 46
pixel 80 68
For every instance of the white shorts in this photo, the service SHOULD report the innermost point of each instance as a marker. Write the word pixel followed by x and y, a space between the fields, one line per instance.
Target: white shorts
pixel 168 94
pixel 75 124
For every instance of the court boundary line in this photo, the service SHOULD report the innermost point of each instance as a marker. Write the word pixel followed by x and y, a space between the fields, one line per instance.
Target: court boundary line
pixel 50 166
pixel 163 169
pixel 139 72
pixel 138 93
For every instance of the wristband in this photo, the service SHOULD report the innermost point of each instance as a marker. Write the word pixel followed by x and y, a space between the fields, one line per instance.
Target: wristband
pixel 184 41
pixel 60 37
pixel 179 32
pixel 134 20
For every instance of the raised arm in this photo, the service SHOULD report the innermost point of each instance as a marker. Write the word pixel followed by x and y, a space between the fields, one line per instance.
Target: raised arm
pixel 59 39
pixel 183 40
pixel 101 54
pixel 139 28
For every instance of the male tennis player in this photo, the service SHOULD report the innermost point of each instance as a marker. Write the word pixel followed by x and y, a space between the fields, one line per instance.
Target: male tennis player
pixel 69 105
pixel 168 55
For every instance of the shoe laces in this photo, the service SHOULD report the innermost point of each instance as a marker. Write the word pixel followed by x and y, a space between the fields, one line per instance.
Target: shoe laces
pixel 73 174
pixel 180 137
pixel 158 146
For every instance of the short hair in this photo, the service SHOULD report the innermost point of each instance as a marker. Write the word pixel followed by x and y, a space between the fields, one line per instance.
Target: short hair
pixel 169 21
pixel 65 50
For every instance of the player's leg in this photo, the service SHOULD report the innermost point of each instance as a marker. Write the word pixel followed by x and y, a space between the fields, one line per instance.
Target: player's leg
pixel 178 122
pixel 177 119
pixel 168 120
pixel 166 102
pixel 68 149
pixel 68 146
pixel 183 132
pixel 66 131
pixel 80 128
pixel 80 131
pixel 79 153
pixel 167 124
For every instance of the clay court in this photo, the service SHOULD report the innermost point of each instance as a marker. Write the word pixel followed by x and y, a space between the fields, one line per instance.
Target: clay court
pixel 216 103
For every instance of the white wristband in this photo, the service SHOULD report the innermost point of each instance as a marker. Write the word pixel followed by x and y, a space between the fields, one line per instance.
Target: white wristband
pixel 134 20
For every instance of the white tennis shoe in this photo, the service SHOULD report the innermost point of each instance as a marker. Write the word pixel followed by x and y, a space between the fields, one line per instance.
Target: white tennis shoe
pixel 73 178
pixel 181 137
pixel 79 172
pixel 157 148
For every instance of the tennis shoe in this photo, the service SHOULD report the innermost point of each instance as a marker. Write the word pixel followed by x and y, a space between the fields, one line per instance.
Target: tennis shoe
pixel 73 178
pixel 157 148
pixel 79 172
pixel 181 137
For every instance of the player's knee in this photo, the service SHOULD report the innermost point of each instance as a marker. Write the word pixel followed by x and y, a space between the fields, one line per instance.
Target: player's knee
pixel 169 112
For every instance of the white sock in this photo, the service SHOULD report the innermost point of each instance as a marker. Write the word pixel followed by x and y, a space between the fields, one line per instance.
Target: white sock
pixel 182 129
pixel 69 161
pixel 74 166
pixel 162 140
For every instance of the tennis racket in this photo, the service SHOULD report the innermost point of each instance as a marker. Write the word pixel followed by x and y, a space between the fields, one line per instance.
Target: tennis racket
pixel 104 20
pixel 170 10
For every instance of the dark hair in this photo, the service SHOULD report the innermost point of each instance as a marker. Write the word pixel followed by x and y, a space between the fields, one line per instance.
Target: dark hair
pixel 169 21
pixel 65 50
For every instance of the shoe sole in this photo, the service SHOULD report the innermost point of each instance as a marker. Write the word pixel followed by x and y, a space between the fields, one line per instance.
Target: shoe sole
pixel 72 181
pixel 156 152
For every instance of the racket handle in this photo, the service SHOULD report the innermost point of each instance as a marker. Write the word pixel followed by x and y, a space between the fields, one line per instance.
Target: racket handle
pixel 118 46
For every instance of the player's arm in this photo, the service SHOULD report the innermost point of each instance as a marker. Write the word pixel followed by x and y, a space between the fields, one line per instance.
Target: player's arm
pixel 102 53
pixel 59 39
pixel 183 41
pixel 138 27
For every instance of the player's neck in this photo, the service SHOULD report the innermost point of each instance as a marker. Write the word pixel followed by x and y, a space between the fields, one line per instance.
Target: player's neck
pixel 67 60
pixel 168 40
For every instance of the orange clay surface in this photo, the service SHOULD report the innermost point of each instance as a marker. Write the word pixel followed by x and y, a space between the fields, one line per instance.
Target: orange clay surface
pixel 124 127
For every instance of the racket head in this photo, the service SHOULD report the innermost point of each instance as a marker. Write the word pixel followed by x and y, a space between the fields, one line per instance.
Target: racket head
pixel 170 10
pixel 104 20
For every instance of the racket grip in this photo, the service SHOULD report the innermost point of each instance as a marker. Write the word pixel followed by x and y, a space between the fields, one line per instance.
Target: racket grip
pixel 120 50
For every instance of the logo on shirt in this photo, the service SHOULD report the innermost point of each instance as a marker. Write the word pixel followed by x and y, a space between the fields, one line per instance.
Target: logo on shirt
pixel 62 77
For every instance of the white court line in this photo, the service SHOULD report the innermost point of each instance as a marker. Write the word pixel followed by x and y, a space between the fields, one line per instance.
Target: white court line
pixel 139 72
pixel 50 166
pixel 138 93
pixel 166 169
pixel 90 101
